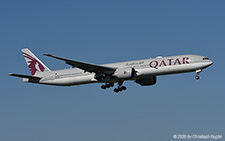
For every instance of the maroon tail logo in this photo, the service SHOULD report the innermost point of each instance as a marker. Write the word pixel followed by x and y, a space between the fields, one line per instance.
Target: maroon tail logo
pixel 32 64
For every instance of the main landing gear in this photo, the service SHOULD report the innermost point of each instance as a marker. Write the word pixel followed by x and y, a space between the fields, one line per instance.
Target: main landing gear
pixel 197 74
pixel 118 89
pixel 107 85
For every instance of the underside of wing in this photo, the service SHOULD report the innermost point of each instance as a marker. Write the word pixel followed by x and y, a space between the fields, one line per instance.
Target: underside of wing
pixel 88 67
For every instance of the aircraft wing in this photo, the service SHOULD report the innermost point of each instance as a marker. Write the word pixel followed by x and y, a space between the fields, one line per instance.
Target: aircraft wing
pixel 86 66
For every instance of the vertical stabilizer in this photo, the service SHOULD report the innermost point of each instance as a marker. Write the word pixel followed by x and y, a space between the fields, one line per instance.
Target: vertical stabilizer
pixel 34 64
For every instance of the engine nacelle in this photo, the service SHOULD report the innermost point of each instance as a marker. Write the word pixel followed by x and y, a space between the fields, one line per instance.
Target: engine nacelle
pixel 125 73
pixel 146 81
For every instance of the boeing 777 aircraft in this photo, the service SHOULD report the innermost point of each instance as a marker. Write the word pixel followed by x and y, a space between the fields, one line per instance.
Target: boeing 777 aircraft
pixel 143 72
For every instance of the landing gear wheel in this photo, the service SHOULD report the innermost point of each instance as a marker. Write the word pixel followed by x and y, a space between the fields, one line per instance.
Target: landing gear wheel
pixel 107 86
pixel 103 87
pixel 124 88
pixel 197 77
pixel 120 88
pixel 116 90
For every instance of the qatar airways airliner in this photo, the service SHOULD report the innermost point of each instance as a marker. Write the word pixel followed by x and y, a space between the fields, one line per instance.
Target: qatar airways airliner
pixel 142 72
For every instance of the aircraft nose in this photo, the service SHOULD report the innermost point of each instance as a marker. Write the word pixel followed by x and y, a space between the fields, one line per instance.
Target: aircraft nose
pixel 207 61
pixel 211 62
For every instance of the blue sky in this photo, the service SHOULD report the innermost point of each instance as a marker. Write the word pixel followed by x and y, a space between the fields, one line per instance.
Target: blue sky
pixel 104 32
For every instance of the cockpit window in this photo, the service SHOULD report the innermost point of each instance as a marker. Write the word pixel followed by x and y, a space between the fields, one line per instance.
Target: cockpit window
pixel 205 58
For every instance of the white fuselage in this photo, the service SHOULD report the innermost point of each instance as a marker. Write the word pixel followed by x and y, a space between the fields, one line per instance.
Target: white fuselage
pixel 144 68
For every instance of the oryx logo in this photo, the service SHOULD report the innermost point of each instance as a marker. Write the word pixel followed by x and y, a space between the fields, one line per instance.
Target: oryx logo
pixel 124 72
pixel 33 64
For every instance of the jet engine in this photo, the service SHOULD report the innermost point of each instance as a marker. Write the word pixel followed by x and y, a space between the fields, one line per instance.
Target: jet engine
pixel 125 73
pixel 146 81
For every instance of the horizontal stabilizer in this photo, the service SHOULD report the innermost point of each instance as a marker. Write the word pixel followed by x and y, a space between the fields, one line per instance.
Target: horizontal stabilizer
pixel 23 76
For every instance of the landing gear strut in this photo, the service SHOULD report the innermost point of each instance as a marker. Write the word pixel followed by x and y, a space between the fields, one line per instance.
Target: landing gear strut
pixel 197 74
pixel 120 87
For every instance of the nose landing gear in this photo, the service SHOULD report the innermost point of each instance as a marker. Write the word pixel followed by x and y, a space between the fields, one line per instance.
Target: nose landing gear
pixel 197 74
pixel 197 77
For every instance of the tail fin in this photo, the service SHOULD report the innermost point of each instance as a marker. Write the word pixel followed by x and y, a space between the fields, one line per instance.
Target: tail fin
pixel 34 64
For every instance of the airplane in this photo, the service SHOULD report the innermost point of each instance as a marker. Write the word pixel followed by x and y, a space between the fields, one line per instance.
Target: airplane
pixel 143 72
